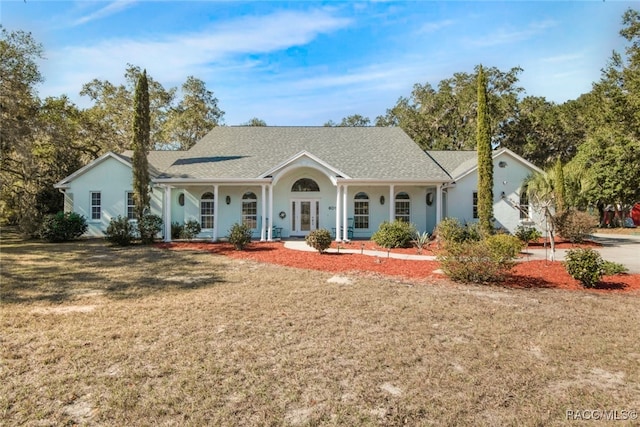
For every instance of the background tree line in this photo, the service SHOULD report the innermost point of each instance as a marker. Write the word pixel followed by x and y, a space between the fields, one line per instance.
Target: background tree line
pixel 596 136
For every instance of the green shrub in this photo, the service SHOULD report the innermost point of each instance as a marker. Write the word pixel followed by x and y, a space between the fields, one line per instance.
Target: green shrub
pixel 239 236
pixel 575 225
pixel 420 240
pixel 62 227
pixel 148 227
pixel 396 234
pixel 449 230
pixel 191 229
pixel 120 231
pixel 319 239
pixel 585 265
pixel 527 234
pixel 176 230
pixel 483 261
pixel 610 268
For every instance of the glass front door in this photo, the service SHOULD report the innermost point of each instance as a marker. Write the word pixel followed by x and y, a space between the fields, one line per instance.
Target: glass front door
pixel 304 216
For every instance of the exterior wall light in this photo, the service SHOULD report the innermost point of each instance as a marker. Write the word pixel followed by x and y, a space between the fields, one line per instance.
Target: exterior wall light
pixel 382 200
pixel 228 200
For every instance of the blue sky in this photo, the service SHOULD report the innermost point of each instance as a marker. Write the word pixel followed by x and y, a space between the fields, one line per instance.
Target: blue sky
pixel 306 62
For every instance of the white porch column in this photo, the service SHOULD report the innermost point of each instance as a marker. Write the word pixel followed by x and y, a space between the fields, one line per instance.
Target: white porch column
pixel 338 211
pixel 166 201
pixel 438 204
pixel 392 203
pixel 270 229
pixel 263 225
pixel 216 202
pixel 345 211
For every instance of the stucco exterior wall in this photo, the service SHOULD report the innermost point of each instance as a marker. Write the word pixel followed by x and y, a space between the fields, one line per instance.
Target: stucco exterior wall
pixel 113 180
pixel 508 177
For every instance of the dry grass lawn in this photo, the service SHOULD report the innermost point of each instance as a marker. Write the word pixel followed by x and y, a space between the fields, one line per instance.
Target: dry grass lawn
pixel 97 335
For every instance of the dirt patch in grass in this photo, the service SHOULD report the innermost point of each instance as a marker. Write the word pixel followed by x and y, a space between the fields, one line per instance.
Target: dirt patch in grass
pixel 254 343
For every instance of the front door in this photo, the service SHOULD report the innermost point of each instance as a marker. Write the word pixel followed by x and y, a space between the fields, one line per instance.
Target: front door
pixel 304 216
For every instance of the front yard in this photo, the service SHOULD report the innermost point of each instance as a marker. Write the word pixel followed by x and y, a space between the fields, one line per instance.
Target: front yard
pixel 98 335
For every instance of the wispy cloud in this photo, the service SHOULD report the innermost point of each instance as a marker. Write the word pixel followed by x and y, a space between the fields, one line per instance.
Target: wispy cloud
pixel 110 9
pixel 432 27
pixel 507 36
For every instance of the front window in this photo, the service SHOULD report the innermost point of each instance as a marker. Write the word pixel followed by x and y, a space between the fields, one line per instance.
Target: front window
pixel 361 211
pixel 475 204
pixel 403 207
pixel 206 210
pixel 96 205
pixel 524 204
pixel 250 210
pixel 131 211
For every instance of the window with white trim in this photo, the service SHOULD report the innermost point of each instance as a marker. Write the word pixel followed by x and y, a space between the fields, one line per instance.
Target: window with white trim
pixel 250 210
pixel 524 204
pixel 96 205
pixel 131 206
pixel 475 205
pixel 206 210
pixel 305 184
pixel 361 211
pixel 403 207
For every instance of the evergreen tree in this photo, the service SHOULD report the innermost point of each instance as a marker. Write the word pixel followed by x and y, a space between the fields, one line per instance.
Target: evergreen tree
pixel 559 186
pixel 485 161
pixel 141 142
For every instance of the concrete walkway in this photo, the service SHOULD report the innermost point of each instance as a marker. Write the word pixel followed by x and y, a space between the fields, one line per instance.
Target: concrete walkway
pixel 301 245
pixel 620 248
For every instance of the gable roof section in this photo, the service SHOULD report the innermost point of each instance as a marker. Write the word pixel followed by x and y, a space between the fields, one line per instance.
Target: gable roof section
pixel 109 155
pixel 243 152
pixel 461 163
pixel 158 161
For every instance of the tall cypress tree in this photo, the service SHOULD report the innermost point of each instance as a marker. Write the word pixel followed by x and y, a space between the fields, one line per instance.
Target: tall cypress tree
pixel 559 186
pixel 140 143
pixel 485 162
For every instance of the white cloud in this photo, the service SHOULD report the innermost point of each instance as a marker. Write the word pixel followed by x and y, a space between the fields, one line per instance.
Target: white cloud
pixel 508 36
pixel 432 27
pixel 108 10
pixel 170 58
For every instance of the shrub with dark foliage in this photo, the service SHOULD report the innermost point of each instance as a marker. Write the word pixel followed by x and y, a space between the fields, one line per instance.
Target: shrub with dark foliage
pixel 63 227
pixel 148 227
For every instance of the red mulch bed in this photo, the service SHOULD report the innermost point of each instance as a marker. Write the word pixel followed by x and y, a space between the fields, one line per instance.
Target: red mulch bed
pixel 526 274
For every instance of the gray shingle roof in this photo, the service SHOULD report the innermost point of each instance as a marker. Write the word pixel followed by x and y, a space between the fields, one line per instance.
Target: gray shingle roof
pixel 158 160
pixel 358 152
pixel 455 162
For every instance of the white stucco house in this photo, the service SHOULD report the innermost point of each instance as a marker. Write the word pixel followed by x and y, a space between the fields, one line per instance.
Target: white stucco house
pixel 287 181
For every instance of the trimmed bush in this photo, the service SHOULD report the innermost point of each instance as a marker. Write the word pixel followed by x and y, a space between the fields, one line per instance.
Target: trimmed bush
pixel 62 227
pixel 449 230
pixel 483 261
pixel 527 234
pixel 239 236
pixel 120 231
pixel 191 229
pixel 148 227
pixel 396 234
pixel 575 225
pixel 319 239
pixel 585 265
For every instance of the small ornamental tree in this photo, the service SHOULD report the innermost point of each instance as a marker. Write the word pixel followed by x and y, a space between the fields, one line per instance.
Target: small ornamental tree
pixel 485 160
